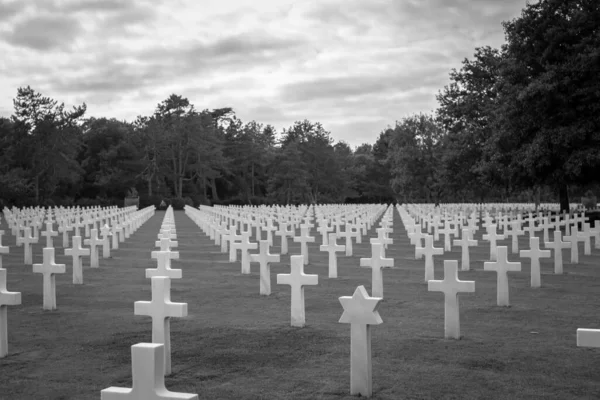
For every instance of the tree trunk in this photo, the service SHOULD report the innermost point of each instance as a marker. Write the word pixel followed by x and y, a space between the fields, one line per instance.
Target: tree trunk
pixel 150 186
pixel 253 179
pixel 37 189
pixel 180 187
pixel 563 195
pixel 213 189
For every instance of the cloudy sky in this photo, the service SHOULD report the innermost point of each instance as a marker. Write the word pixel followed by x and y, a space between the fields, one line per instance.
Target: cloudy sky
pixel 356 66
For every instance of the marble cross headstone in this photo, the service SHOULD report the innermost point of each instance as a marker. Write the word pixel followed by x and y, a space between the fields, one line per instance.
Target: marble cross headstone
pixel 451 286
pixel 49 233
pixel 264 258
pixel 6 299
pixel 360 311
pixel 148 372
pixel 492 236
pixel 332 247
pixel 163 260
pixel 3 249
pixel 27 240
pixel 429 251
pixel 244 246
pixel 105 232
pixel 297 279
pixel 502 266
pixel 161 309
pixel 94 242
pixel 557 246
pixel 465 242
pixel 574 242
pixel 376 263
pixel 77 252
pixel 49 269
pixel 535 254
pixel 304 239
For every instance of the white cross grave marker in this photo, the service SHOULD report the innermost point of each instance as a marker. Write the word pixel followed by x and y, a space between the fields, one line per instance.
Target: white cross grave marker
pixel 77 252
pixel 148 372
pixel 332 247
pixel 27 240
pixel 376 263
pixel 429 251
pixel 244 246
pixel 264 258
pixel 161 309
pixel 6 299
pixel 465 242
pixel 48 269
pixel 105 232
pixel 557 246
pixel 94 242
pixel 492 236
pixel 3 249
pixel 451 286
pixel 304 239
pixel 163 260
pixel 49 233
pixel 297 279
pixel 502 266
pixel 535 254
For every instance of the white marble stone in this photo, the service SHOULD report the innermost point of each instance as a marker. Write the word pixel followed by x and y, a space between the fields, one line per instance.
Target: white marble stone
pixel 94 242
pixel 163 264
pixel 429 251
pixel 304 239
pixel 332 247
pixel 105 233
pixel 360 311
pixel 161 309
pixel 264 258
pixel 49 233
pixel 574 242
pixel 451 286
pixel 534 253
pixel 27 240
pixel 48 268
pixel 492 236
pixel 77 252
pixel 465 242
pixel 558 245
pixel 3 249
pixel 297 279
pixel 244 245
pixel 588 337
pixel 502 266
pixel 376 263
pixel 6 299
pixel 148 373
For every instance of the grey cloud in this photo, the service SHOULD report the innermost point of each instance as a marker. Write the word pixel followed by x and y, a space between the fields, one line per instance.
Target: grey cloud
pixel 45 32
pixel 357 85
pixel 9 9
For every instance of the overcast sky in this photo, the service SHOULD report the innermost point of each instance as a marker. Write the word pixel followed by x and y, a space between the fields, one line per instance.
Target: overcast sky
pixel 355 66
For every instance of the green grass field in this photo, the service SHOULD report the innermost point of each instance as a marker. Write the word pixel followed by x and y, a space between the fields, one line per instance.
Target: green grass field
pixel 236 344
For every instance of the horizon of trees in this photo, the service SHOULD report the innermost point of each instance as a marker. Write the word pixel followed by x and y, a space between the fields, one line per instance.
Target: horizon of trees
pixel 519 123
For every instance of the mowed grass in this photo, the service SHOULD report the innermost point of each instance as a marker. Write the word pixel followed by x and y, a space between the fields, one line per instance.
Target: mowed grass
pixel 236 344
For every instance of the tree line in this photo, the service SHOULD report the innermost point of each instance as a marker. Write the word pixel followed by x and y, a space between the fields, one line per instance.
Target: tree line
pixel 519 123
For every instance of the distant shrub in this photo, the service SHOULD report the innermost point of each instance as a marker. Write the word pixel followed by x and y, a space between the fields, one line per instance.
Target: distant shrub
pixel 178 204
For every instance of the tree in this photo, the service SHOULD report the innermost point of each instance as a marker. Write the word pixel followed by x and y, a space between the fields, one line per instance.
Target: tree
pixel 549 115
pixel 49 138
pixel 110 160
pixel 466 113
pixel 415 153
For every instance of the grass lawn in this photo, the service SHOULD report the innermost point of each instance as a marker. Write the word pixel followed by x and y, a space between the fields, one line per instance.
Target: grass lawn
pixel 236 344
